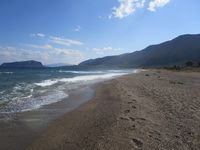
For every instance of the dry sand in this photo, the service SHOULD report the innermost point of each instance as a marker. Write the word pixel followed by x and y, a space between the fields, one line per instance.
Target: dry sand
pixel 150 110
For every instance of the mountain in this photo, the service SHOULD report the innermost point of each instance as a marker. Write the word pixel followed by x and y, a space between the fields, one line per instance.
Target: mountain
pixel 23 64
pixel 58 65
pixel 173 52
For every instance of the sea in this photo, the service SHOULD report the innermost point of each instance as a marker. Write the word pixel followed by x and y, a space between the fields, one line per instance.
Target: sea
pixel 28 89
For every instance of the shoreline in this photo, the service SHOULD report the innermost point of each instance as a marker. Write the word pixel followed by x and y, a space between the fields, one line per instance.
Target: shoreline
pixel 86 118
pixel 18 130
pixel 156 109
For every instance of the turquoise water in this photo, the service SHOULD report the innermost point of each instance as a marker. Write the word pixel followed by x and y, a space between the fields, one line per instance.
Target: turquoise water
pixel 28 89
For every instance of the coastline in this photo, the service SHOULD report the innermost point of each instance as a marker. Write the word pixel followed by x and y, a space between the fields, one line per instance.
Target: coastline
pixel 18 130
pixel 149 110
pixel 154 109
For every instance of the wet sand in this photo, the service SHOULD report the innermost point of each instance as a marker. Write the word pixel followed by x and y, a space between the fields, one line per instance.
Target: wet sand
pixel 151 110
pixel 19 130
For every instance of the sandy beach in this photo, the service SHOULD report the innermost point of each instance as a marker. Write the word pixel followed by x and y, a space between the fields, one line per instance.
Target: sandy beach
pixel 18 130
pixel 150 110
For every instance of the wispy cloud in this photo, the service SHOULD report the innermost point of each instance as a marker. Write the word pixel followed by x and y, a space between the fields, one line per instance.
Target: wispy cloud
pixel 65 42
pixel 38 35
pixel 44 53
pixel 53 50
pixel 157 3
pixel 46 46
pixel 59 40
pixel 101 17
pixel 70 52
pixel 126 8
pixel 106 50
pixel 77 29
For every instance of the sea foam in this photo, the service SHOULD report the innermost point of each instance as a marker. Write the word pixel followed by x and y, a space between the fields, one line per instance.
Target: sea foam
pixel 25 96
pixel 86 78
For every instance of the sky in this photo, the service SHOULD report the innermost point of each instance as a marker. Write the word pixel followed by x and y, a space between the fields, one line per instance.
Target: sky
pixel 71 31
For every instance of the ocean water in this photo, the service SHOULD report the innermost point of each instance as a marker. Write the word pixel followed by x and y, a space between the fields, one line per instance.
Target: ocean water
pixel 28 89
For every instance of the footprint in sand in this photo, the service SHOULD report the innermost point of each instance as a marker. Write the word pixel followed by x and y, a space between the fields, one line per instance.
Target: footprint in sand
pixel 132 127
pixel 124 118
pixel 127 111
pixel 130 102
pixel 133 100
pixel 134 107
pixel 154 134
pixel 139 119
pixel 142 119
pixel 137 143
pixel 132 119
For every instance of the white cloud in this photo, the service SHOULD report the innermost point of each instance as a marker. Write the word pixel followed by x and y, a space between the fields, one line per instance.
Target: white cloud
pixel 105 17
pixel 59 40
pixel 100 17
pixel 45 54
pixel 65 42
pixel 126 8
pixel 41 35
pixel 157 3
pixel 106 50
pixel 55 50
pixel 77 29
pixel 46 46
pixel 52 51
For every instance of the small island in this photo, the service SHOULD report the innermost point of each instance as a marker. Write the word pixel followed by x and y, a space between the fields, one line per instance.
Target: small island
pixel 23 64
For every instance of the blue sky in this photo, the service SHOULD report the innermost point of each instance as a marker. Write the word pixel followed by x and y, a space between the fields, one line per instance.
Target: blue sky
pixel 70 31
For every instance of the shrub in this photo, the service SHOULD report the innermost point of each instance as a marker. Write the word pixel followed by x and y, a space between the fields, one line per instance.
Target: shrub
pixel 175 67
pixel 189 63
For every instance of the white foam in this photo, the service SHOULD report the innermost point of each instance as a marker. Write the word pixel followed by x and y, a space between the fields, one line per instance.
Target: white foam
pixel 25 96
pixel 6 72
pixel 44 100
pixel 1 92
pixel 80 72
pixel 78 79
pixel 47 82
pixel 23 105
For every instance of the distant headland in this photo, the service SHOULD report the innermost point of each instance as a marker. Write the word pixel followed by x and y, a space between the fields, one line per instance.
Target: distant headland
pixel 23 64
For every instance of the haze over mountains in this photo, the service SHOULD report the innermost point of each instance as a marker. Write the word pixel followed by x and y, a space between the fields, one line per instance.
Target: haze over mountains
pixel 173 52
pixel 57 65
